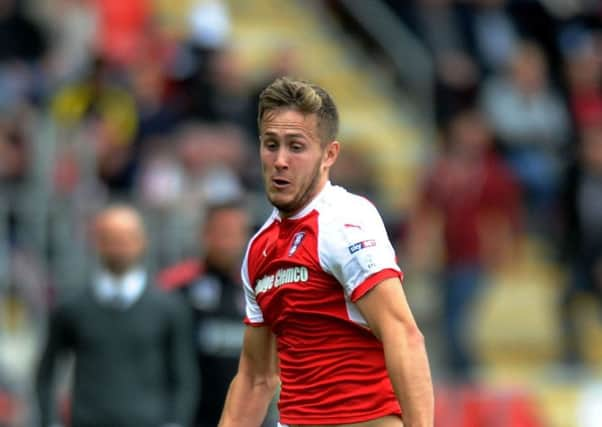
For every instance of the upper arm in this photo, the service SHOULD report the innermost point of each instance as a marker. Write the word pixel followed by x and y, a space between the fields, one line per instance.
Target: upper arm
pixel 386 310
pixel 58 340
pixel 253 313
pixel 59 334
pixel 258 359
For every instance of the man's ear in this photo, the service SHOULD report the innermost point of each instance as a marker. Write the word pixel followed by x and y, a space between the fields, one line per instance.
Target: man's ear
pixel 331 153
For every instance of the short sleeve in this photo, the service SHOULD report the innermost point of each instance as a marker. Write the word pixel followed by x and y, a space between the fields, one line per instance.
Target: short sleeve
pixel 254 315
pixel 355 248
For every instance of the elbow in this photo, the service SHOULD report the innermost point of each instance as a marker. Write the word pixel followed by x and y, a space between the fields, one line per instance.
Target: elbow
pixel 272 383
pixel 407 332
pixel 268 382
pixel 414 336
pixel 264 385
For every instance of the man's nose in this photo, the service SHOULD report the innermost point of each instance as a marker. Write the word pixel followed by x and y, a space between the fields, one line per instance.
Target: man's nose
pixel 281 160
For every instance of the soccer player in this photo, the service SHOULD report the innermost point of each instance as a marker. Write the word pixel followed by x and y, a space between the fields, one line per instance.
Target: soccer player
pixel 325 309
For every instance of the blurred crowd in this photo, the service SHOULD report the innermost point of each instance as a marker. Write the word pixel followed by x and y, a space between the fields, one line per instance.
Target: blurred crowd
pixel 107 101
pixel 518 103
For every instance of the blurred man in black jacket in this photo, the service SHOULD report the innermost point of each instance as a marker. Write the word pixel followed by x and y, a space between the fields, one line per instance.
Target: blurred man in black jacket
pixel 211 284
pixel 134 363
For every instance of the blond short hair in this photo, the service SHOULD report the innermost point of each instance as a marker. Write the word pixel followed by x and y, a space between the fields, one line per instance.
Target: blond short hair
pixel 306 97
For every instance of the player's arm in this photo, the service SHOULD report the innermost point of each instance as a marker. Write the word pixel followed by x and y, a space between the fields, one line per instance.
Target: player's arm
pixel 182 368
pixel 388 314
pixel 56 343
pixel 256 381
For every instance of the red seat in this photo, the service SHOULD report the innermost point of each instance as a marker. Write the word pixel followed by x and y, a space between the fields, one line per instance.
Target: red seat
pixel 478 406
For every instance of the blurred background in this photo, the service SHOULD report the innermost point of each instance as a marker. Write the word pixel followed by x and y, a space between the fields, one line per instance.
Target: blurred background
pixel 475 126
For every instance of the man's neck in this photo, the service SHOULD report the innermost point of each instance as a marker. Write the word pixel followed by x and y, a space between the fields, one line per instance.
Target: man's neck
pixel 119 274
pixel 317 191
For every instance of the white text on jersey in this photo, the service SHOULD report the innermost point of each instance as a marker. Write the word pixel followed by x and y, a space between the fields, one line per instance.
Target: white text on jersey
pixel 282 277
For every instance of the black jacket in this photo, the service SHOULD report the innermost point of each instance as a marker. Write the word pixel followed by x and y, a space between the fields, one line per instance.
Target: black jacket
pixel 133 367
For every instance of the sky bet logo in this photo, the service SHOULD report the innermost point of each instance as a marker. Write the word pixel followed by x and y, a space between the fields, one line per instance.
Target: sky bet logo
pixel 361 245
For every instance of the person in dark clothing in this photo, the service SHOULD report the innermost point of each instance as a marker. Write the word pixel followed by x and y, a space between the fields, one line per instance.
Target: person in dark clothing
pixel 21 38
pixel 582 238
pixel 134 363
pixel 221 94
pixel 212 286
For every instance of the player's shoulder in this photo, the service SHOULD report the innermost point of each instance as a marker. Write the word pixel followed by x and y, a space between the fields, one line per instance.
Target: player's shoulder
pixel 262 235
pixel 265 227
pixel 344 207
pixel 68 306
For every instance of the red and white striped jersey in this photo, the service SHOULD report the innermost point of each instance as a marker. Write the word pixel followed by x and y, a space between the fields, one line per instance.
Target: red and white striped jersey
pixel 302 276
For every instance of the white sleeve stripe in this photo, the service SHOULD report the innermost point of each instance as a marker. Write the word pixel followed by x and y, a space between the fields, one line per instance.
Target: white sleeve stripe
pixel 252 309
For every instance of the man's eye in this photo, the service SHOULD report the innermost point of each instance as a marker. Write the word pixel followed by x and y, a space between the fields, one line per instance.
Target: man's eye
pixel 297 147
pixel 270 145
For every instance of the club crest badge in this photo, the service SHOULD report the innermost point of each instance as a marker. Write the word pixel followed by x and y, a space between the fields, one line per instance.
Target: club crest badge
pixel 297 239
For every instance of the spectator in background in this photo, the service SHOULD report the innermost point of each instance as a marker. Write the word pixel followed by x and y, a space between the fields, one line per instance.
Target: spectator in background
pixel 285 62
pixel 212 286
pixel 15 162
pixel 210 30
pixel 72 27
pixel 207 34
pixel 212 158
pixel 222 94
pixel 535 22
pixel 21 39
pixel 134 362
pixel 98 113
pixel 98 93
pixel 495 34
pixel 583 66
pixel 182 174
pixel 14 151
pixel 483 30
pixel 475 199
pixel 532 123
pixel 582 203
pixel 444 26
pixel 156 116
pixel 22 49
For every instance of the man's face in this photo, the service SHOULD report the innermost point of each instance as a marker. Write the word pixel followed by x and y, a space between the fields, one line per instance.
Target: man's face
pixel 294 163
pixel 225 236
pixel 120 241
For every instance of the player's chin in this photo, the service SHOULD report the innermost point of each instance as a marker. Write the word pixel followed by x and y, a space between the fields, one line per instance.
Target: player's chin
pixel 281 195
pixel 282 202
pixel 278 200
